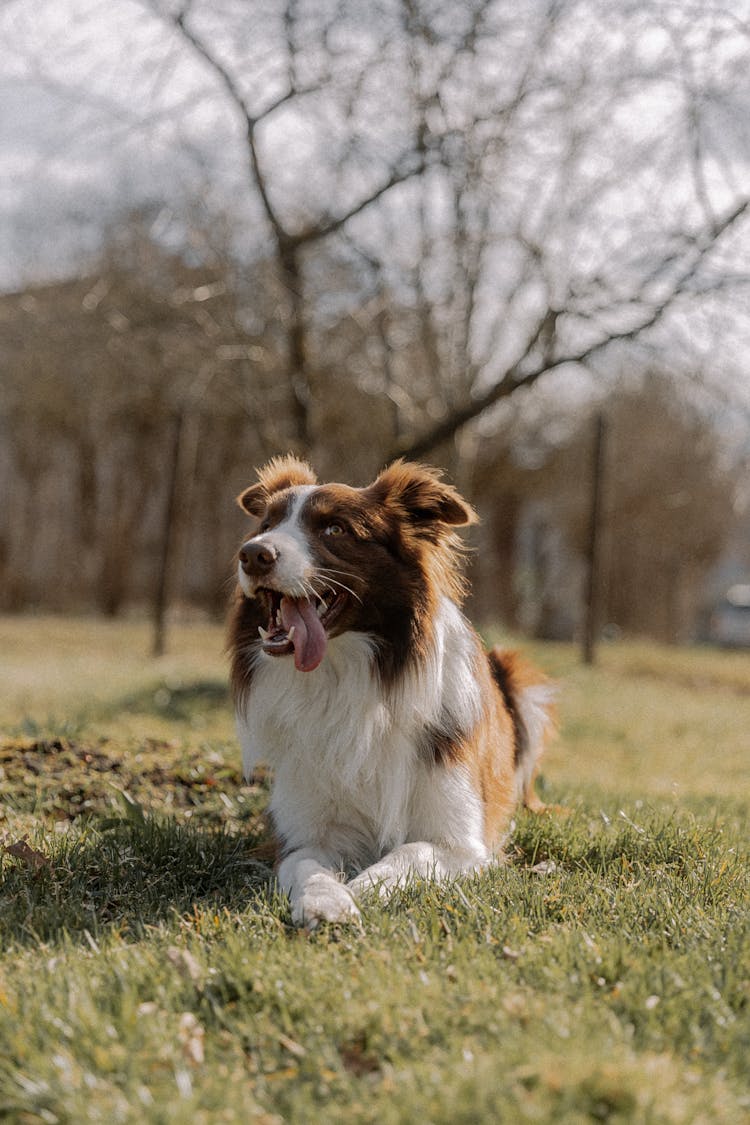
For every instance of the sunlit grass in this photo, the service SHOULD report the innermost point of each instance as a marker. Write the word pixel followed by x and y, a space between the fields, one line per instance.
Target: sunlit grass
pixel 150 972
pixel 650 719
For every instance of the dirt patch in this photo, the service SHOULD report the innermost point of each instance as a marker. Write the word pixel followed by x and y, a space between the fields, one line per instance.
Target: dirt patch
pixel 62 779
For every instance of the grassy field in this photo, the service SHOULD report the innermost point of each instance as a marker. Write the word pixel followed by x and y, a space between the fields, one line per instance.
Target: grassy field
pixel 149 972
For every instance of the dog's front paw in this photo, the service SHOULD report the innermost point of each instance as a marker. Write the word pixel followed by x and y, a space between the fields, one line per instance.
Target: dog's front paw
pixel 381 879
pixel 324 900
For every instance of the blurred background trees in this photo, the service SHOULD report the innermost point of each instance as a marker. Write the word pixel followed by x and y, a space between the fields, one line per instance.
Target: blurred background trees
pixel 452 231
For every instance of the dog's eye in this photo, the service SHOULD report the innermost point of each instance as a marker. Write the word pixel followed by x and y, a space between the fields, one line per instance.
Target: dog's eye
pixel 333 529
pixel 265 525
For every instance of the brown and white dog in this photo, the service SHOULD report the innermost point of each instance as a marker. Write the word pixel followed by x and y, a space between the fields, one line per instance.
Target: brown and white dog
pixel 399 746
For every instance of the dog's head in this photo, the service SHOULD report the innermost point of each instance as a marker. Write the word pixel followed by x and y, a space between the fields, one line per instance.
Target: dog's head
pixel 325 559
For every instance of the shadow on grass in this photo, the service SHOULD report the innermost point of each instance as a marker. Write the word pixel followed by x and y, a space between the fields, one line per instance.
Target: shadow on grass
pixel 168 700
pixel 129 876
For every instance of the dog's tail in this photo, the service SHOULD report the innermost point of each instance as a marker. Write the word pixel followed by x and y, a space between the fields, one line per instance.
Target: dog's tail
pixel 530 700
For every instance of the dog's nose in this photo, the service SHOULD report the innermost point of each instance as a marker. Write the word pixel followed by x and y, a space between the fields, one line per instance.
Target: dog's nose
pixel 257 558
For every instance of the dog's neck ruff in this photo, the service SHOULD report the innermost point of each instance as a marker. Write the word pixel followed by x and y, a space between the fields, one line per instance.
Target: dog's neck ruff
pixel 337 736
pixel 336 714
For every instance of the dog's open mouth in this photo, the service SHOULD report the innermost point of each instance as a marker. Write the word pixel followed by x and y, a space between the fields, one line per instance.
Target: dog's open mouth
pixel 299 625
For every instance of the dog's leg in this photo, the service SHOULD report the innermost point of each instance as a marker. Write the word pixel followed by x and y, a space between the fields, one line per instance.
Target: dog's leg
pixel 421 860
pixel 535 804
pixel 531 800
pixel 315 893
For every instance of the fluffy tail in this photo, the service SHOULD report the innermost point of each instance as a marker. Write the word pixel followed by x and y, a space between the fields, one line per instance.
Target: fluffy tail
pixel 530 699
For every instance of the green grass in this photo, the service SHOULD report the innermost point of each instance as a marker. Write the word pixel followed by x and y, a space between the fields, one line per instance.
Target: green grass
pixel 150 973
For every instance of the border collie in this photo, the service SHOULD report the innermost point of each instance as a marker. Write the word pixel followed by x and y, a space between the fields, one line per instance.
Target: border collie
pixel 399 746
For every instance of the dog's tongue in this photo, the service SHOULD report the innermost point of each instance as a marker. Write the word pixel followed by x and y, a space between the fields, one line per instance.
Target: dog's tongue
pixel 309 637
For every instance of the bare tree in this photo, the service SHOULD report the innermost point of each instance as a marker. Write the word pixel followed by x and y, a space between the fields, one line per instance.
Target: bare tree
pixel 290 240
pixel 510 190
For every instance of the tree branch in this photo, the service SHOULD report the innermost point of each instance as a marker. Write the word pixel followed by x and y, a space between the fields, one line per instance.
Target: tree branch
pixel 330 224
pixel 520 376
pixel 250 120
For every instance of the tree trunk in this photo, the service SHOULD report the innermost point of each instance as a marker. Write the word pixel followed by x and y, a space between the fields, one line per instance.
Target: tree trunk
pixel 297 345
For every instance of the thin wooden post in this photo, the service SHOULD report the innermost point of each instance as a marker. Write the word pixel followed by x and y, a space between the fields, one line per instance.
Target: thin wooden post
pixel 168 534
pixel 593 554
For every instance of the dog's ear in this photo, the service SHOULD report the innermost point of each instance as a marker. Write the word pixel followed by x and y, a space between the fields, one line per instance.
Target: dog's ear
pixel 418 494
pixel 278 474
pixel 253 500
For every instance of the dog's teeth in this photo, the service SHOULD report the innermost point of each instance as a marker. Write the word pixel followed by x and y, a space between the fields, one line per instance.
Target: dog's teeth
pixel 264 634
pixel 320 608
pixel 290 634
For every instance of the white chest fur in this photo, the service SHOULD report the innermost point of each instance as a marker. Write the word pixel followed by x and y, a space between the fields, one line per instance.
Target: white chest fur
pixel 348 772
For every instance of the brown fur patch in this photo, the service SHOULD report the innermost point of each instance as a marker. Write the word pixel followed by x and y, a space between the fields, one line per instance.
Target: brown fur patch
pixel 444 744
pixel 513 674
pixel 487 753
pixel 425 510
pixel 245 615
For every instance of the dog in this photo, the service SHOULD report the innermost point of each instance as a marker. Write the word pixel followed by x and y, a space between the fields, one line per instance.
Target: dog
pixel 399 746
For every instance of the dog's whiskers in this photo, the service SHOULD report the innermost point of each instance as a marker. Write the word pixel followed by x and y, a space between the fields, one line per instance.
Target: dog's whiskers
pixel 308 590
pixel 333 570
pixel 326 580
